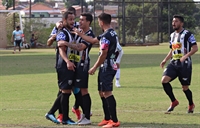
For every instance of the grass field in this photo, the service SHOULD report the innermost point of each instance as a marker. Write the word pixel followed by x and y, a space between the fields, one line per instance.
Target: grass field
pixel 28 87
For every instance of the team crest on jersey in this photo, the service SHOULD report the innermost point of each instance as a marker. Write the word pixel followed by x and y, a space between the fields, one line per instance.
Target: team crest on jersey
pixel 176 46
pixel 61 36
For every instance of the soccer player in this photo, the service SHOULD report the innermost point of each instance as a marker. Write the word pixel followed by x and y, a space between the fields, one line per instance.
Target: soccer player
pixel 118 60
pixel 107 69
pixel 81 55
pixel 16 38
pixel 76 91
pixel 182 46
pixel 65 68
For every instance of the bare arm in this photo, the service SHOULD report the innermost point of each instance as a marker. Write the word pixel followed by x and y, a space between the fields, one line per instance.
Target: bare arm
pixel 169 55
pixel 99 61
pixel 87 38
pixel 51 40
pixel 78 47
pixel 70 65
pixel 193 51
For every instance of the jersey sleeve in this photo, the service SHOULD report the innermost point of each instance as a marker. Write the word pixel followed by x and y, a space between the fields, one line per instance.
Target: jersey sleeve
pixel 61 36
pixel 54 31
pixel 192 39
pixel 104 43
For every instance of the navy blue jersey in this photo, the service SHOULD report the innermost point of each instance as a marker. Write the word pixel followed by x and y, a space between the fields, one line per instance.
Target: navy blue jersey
pixel 64 35
pixel 109 40
pixel 181 44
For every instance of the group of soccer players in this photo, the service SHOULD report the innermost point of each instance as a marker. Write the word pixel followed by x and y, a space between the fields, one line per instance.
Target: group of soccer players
pixel 73 67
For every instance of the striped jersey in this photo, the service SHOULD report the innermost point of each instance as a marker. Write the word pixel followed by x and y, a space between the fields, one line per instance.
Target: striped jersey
pixel 181 44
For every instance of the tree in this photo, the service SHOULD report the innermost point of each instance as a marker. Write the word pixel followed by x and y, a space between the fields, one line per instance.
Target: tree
pixel 7 3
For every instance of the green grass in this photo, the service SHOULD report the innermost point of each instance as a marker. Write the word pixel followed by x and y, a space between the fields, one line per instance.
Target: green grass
pixel 28 88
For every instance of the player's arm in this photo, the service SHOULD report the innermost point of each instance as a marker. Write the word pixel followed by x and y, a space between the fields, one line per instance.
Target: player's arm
pixel 70 65
pixel 51 40
pixel 78 47
pixel 169 55
pixel 85 37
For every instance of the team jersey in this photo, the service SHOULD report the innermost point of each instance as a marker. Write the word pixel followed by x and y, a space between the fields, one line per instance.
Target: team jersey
pixel 109 40
pixel 84 54
pixel 119 53
pixel 17 34
pixel 64 35
pixel 181 44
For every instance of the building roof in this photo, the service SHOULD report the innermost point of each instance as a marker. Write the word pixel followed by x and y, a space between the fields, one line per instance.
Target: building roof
pixel 39 6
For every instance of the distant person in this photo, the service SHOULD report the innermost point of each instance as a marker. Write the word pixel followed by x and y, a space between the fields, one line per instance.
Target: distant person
pixel 33 41
pixel 118 60
pixel 182 46
pixel 17 36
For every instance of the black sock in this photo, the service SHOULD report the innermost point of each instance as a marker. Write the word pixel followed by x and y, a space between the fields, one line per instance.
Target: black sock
pixel 59 109
pixel 78 100
pixel 86 105
pixel 56 105
pixel 65 105
pixel 112 107
pixel 188 94
pixel 105 109
pixel 168 90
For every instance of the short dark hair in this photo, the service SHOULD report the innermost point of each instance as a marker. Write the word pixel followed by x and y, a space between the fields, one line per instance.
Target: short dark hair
pixel 65 14
pixel 17 27
pixel 106 18
pixel 179 17
pixel 88 16
pixel 72 9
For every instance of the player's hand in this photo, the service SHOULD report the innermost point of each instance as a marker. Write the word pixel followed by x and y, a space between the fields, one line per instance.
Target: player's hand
pixel 71 66
pixel 162 64
pixel 183 58
pixel 117 65
pixel 76 31
pixel 92 70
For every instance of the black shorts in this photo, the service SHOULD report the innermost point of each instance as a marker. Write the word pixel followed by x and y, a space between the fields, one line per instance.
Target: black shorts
pixel 82 76
pixel 181 70
pixel 105 79
pixel 65 78
pixel 18 42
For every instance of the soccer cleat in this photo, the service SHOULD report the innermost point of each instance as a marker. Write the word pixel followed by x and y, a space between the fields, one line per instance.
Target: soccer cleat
pixel 60 117
pixel 172 106
pixel 69 121
pixel 77 112
pixel 112 124
pixel 103 122
pixel 191 108
pixel 82 117
pixel 52 118
pixel 117 84
pixel 84 121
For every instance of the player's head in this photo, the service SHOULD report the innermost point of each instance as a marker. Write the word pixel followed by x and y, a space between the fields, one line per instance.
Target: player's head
pixel 17 28
pixel 72 9
pixel 177 22
pixel 68 19
pixel 104 19
pixel 85 20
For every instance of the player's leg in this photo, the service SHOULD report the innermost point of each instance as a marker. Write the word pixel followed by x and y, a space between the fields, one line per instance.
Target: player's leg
pixel 77 103
pixel 169 74
pixel 117 77
pixel 185 79
pixel 14 43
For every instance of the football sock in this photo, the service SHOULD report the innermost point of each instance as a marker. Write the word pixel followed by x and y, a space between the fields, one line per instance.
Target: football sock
pixel 188 94
pixel 56 105
pixel 117 75
pixel 59 109
pixel 168 90
pixel 78 100
pixel 86 105
pixel 65 105
pixel 105 108
pixel 112 107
